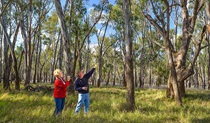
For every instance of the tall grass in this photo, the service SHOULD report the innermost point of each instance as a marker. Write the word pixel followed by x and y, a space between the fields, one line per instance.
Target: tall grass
pixel 107 105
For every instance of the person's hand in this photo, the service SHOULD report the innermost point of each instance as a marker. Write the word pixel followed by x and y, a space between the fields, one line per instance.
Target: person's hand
pixel 84 88
pixel 68 78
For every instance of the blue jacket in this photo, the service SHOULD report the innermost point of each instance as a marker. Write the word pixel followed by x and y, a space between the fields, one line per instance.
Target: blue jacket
pixel 79 83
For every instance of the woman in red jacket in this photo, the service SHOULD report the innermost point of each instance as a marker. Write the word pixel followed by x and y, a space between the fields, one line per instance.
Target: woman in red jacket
pixel 60 86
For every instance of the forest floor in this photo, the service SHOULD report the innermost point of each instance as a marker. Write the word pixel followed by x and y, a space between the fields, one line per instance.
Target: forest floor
pixel 107 106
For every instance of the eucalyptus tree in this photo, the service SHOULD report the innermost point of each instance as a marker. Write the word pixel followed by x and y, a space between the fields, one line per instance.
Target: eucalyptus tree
pixel 101 40
pixel 52 37
pixel 117 21
pixel 31 15
pixel 3 19
pixel 179 68
pixel 128 57
pixel 207 13
pixel 137 21
pixel 0 55
pixel 10 28
pixel 65 37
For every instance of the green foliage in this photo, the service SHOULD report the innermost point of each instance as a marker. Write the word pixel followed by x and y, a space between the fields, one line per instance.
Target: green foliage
pixel 51 24
pixel 107 105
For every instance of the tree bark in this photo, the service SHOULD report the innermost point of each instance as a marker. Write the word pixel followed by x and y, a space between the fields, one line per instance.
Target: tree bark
pixel 101 48
pixel 66 41
pixel 54 59
pixel 150 76
pixel 207 11
pixel 88 55
pixel 27 37
pixel 208 62
pixel 179 58
pixel 6 72
pixel 6 67
pixel 12 58
pixel 129 58
pixel 196 76
pixel 135 74
pixel 173 74
pixel 115 67
pixel 65 37
pixel 108 77
pixel 36 63
pixel 1 56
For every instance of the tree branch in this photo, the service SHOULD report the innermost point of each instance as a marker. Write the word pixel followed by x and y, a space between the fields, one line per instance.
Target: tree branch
pixel 186 72
pixel 88 33
pixel 106 49
pixel 4 8
pixel 155 24
pixel 156 14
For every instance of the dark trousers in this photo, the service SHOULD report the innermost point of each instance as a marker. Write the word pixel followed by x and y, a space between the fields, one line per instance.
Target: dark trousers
pixel 59 105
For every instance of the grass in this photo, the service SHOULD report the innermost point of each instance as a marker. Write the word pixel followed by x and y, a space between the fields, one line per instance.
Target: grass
pixel 107 106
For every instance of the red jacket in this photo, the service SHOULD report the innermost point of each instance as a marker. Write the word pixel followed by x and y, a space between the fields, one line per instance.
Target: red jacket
pixel 60 88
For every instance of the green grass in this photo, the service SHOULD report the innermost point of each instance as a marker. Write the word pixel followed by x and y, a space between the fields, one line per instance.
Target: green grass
pixel 107 105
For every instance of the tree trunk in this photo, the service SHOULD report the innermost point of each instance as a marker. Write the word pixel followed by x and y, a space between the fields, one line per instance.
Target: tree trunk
pixel 129 58
pixel 41 69
pixel 208 63
pixel 150 76
pixel 54 60
pixel 140 79
pixel 12 58
pixel 1 56
pixel 173 74
pixel 124 72
pixel 204 77
pixel 114 79
pixel 76 55
pixel 36 68
pixel 60 56
pixel 108 77
pixel 66 41
pixel 88 55
pixel 65 37
pixel 179 58
pixel 27 37
pixel 135 75
pixel 181 86
pixel 6 72
pixel 173 81
pixel 169 89
pixel 100 65
pixel 196 76
pixel 100 60
pixel 190 81
pixel 80 61
pixel 207 11
pixel 38 60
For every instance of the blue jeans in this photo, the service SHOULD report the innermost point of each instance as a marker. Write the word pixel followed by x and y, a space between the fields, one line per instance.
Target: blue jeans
pixel 83 98
pixel 59 105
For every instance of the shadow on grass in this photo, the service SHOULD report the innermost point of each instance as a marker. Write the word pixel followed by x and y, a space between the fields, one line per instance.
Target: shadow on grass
pixel 201 96
pixel 202 120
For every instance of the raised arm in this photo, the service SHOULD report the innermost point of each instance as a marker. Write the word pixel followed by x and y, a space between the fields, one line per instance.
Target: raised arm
pixel 89 74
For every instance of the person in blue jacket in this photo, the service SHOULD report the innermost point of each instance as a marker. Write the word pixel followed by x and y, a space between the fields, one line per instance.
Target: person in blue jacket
pixel 81 85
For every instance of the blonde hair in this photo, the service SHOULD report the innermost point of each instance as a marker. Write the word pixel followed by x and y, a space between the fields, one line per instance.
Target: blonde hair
pixel 57 72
